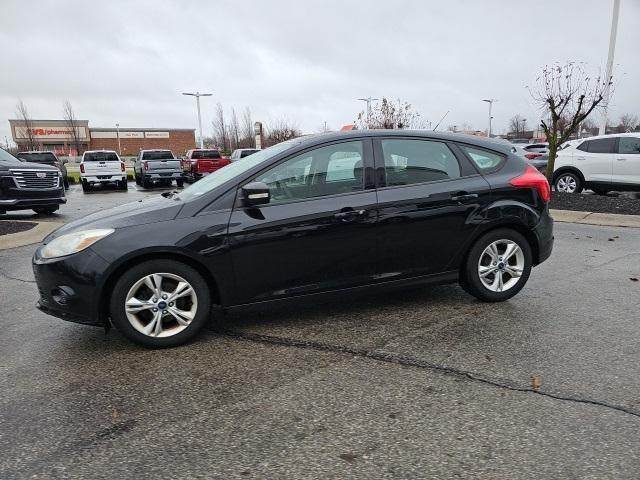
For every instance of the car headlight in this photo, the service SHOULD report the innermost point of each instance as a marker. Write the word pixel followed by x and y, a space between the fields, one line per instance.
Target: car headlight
pixel 74 242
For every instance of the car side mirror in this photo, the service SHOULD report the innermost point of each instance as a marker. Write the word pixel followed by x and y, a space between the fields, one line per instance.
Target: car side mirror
pixel 65 161
pixel 255 193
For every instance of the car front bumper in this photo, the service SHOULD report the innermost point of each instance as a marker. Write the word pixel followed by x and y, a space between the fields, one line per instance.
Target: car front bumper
pixel 19 199
pixel 68 286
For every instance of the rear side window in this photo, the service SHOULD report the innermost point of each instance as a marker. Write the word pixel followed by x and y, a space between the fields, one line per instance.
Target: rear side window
pixel 246 153
pixel 100 157
pixel 418 161
pixel 629 145
pixel 602 145
pixel 205 154
pixel 483 159
pixel 161 155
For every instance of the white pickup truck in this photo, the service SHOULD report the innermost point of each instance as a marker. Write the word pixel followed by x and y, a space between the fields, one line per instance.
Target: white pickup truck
pixel 102 166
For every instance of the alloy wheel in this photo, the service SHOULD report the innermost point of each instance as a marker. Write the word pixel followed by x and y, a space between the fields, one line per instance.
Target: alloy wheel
pixel 501 265
pixel 567 184
pixel 161 304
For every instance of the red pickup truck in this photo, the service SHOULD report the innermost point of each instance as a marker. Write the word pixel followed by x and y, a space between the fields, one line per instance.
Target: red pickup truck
pixel 200 162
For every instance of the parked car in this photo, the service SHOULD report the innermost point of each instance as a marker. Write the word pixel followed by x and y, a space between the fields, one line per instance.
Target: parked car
pixel 25 185
pixel 200 162
pixel 537 160
pixel 157 166
pixel 602 163
pixel 102 167
pixel 47 158
pixel 310 216
pixel 243 152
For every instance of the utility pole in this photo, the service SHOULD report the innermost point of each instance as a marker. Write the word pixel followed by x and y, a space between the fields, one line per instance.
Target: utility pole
pixel 490 101
pixel 198 95
pixel 368 101
pixel 118 135
pixel 612 51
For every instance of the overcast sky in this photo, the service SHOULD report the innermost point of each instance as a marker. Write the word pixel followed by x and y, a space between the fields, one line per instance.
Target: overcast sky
pixel 308 61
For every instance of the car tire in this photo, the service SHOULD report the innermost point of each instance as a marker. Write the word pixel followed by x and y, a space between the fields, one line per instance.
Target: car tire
pixel 146 183
pixel 46 210
pixel 86 186
pixel 568 182
pixel 123 185
pixel 169 333
pixel 180 183
pixel 66 183
pixel 137 180
pixel 487 276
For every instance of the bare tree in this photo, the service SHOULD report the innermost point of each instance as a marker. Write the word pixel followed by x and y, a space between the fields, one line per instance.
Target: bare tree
pixel 281 130
pixel 566 91
pixel 23 114
pixel 220 127
pixel 389 115
pixel 247 137
pixel 234 130
pixel 628 122
pixel 517 125
pixel 72 123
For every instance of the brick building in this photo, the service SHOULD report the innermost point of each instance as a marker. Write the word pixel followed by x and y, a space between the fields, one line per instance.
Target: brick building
pixel 57 136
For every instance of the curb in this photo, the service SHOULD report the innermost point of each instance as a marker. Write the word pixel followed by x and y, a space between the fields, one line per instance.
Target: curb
pixel 600 219
pixel 35 235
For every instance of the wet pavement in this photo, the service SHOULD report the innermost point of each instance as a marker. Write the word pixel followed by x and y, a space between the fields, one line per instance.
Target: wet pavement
pixel 422 383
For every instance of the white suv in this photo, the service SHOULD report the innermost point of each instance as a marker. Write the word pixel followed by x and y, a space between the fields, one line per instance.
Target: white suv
pixel 102 166
pixel 603 163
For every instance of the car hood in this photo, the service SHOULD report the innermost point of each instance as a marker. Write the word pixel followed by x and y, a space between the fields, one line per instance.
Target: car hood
pixel 142 212
pixel 30 166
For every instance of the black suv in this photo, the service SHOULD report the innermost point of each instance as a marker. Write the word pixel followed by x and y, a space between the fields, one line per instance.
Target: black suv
pixel 310 216
pixel 26 185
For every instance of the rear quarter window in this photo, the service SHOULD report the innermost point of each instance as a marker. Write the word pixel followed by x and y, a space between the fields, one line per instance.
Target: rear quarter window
pixel 484 160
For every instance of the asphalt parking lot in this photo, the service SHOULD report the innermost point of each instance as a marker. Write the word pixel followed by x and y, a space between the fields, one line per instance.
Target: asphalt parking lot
pixel 422 383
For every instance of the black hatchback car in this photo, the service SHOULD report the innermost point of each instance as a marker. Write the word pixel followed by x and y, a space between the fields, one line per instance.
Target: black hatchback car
pixel 310 216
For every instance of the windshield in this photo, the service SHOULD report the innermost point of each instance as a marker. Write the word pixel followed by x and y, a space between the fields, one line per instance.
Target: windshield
pixel 160 155
pixel 8 160
pixel 100 157
pixel 44 157
pixel 202 154
pixel 225 174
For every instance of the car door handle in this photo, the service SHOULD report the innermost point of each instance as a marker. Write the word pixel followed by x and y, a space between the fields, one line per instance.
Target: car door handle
pixel 580 158
pixel 621 159
pixel 462 196
pixel 348 215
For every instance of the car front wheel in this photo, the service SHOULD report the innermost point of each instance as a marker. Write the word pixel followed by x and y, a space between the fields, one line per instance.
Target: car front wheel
pixel 160 303
pixel 497 266
pixel 568 182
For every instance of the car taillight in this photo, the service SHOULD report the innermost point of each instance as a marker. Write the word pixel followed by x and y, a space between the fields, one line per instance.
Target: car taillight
pixel 531 156
pixel 82 168
pixel 532 178
pixel 122 166
pixel 146 165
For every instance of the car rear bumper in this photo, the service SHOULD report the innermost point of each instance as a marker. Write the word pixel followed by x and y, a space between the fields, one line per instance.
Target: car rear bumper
pixel 67 286
pixel 163 176
pixel 104 178
pixel 544 234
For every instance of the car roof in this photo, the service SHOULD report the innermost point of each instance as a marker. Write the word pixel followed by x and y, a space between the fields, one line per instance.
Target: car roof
pixel 37 151
pixel 426 134
pixel 100 151
pixel 610 135
pixel 157 150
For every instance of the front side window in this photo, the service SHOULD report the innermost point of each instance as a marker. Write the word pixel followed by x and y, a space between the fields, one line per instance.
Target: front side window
pixel 629 145
pixel 584 146
pixel 602 145
pixel 483 159
pixel 330 170
pixel 418 161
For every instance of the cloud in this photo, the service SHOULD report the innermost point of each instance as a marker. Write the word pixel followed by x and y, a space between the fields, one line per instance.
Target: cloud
pixel 128 61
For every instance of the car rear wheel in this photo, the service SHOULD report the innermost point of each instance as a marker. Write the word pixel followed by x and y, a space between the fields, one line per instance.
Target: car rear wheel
pixel 180 183
pixel 568 182
pixel 123 185
pixel 497 266
pixel 86 186
pixel 146 183
pixel 160 303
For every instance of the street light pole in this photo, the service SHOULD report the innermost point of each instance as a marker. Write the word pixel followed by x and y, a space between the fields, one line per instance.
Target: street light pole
pixel 118 135
pixel 490 102
pixel 612 50
pixel 198 95
pixel 368 101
